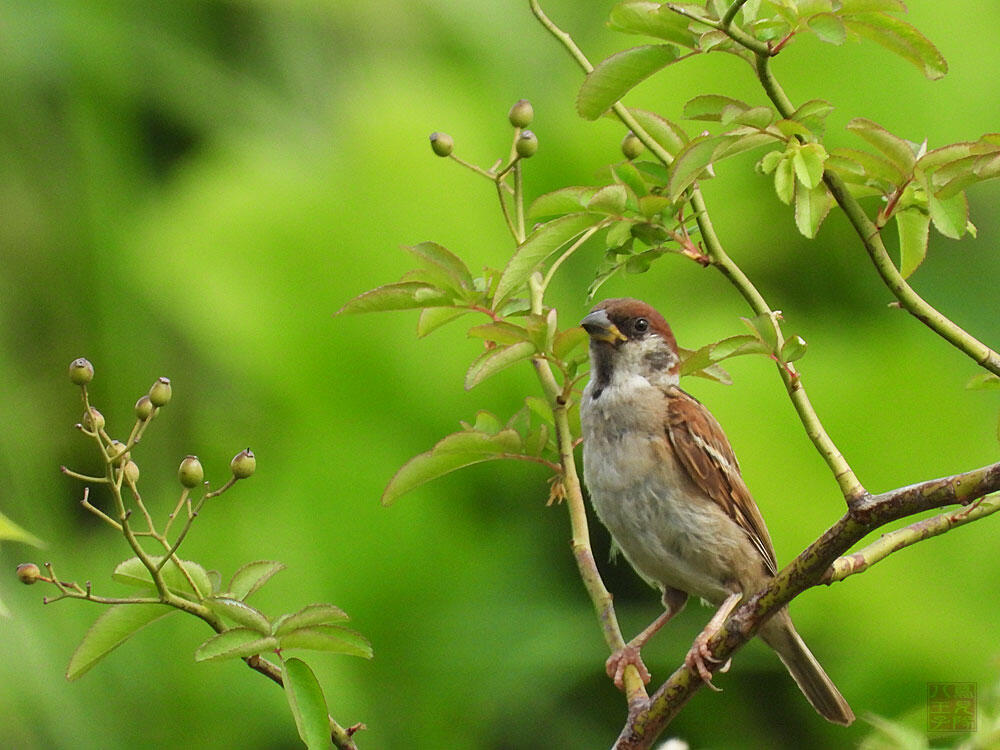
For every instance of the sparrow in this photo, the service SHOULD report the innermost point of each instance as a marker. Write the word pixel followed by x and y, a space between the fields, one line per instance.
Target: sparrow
pixel 663 479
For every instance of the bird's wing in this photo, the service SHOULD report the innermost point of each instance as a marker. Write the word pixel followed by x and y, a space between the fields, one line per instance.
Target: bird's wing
pixel 705 453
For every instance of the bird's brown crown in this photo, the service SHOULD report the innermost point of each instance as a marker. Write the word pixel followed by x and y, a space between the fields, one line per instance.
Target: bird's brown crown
pixel 626 312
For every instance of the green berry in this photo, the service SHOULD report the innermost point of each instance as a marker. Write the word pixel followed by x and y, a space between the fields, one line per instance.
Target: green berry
pixel 632 146
pixel 144 408
pixel 521 114
pixel 243 464
pixel 93 420
pixel 442 144
pixel 159 392
pixel 81 371
pixel 28 573
pixel 132 472
pixel 527 144
pixel 118 458
pixel 191 472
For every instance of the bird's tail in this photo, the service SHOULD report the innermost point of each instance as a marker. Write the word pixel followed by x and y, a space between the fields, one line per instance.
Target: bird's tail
pixel 779 634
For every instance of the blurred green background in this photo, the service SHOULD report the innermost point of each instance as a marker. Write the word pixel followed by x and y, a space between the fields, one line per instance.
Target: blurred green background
pixel 191 189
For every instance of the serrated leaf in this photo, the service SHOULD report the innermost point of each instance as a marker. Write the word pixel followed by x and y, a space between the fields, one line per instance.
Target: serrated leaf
pixel 895 149
pixel 615 76
pixel 653 205
pixel 432 318
pixel 639 17
pixel 913 226
pixel 116 625
pixel 132 572
pixel 501 332
pixel 328 638
pixel 793 349
pixel 308 704
pixel 311 614
pixel 983 381
pixel 11 532
pixel 456 451
pixel 627 174
pixel 235 643
pixel 439 257
pixel 811 208
pixel 763 329
pixel 950 215
pixel 569 340
pixel 493 360
pixel 670 136
pixel 610 199
pixel 784 179
pixel 813 114
pixel 403 295
pixel 567 200
pixel 251 577
pixel 869 6
pixel 808 161
pixel 711 107
pixel 938 157
pixel 241 613
pixel 900 37
pixel 544 241
pixel 828 27
pixel 690 163
pixel 872 166
pixel 769 162
pixel 755 117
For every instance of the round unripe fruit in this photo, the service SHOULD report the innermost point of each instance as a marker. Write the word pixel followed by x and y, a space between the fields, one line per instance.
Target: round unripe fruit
pixel 115 452
pixel 144 408
pixel 521 114
pixel 132 472
pixel 632 146
pixel 527 144
pixel 190 472
pixel 244 464
pixel 159 393
pixel 28 573
pixel 93 420
pixel 81 371
pixel 442 144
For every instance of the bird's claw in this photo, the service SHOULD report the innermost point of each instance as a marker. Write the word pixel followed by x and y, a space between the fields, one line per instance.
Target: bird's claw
pixel 619 660
pixel 698 655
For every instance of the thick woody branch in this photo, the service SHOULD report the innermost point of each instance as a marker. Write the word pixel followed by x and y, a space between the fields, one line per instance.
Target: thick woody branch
pixel 810 568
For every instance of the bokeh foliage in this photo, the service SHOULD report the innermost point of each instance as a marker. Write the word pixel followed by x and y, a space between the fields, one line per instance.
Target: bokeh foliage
pixel 192 189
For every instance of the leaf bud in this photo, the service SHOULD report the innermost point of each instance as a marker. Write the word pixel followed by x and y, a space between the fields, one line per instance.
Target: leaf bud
pixel 81 371
pixel 527 144
pixel 144 408
pixel 93 420
pixel 190 472
pixel 632 146
pixel 521 114
pixel 159 392
pixel 28 573
pixel 442 144
pixel 243 464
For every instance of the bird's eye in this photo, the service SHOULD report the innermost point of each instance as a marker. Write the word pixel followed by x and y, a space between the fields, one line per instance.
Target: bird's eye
pixel 641 325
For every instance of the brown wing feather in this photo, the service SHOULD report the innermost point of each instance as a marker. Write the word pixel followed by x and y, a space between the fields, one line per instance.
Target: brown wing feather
pixel 708 458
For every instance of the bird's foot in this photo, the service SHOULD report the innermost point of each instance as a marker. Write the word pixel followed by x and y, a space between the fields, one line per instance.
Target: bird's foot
pixel 620 659
pixel 699 654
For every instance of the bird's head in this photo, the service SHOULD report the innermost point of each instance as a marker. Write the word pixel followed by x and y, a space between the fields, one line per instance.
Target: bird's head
pixel 629 338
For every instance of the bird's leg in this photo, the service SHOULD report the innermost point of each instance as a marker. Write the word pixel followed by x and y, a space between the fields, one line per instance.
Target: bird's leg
pixel 674 601
pixel 700 652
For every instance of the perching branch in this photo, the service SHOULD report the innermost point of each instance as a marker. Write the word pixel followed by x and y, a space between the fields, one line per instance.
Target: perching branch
pixel 817 564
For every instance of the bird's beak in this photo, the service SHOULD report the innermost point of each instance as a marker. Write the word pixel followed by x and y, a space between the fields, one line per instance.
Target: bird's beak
pixel 600 328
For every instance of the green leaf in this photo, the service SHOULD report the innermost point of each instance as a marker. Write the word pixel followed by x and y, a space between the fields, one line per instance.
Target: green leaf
pixel 913 226
pixel 566 200
pixel 251 577
pixel 132 572
pixel 627 174
pixel 755 117
pixel 440 258
pixel 828 27
pixel 713 107
pixel 690 163
pixel 544 241
pixel 898 151
pixel 670 136
pixel 617 75
pixel 794 348
pixel 875 168
pixel 403 295
pixel 808 161
pixel 456 451
pixel 848 7
pixel 241 613
pixel 610 199
pixel 811 207
pixel 762 327
pixel 950 215
pixel 501 332
pixel 813 114
pixel 328 638
pixel 308 704
pixel 311 614
pixel 653 205
pixel 641 17
pixel 784 179
pixel 235 643
pixel 493 360
pixel 116 625
pixel 710 354
pixel 432 318
pixel 901 38
pixel 938 157
pixel 984 381
pixel 10 531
